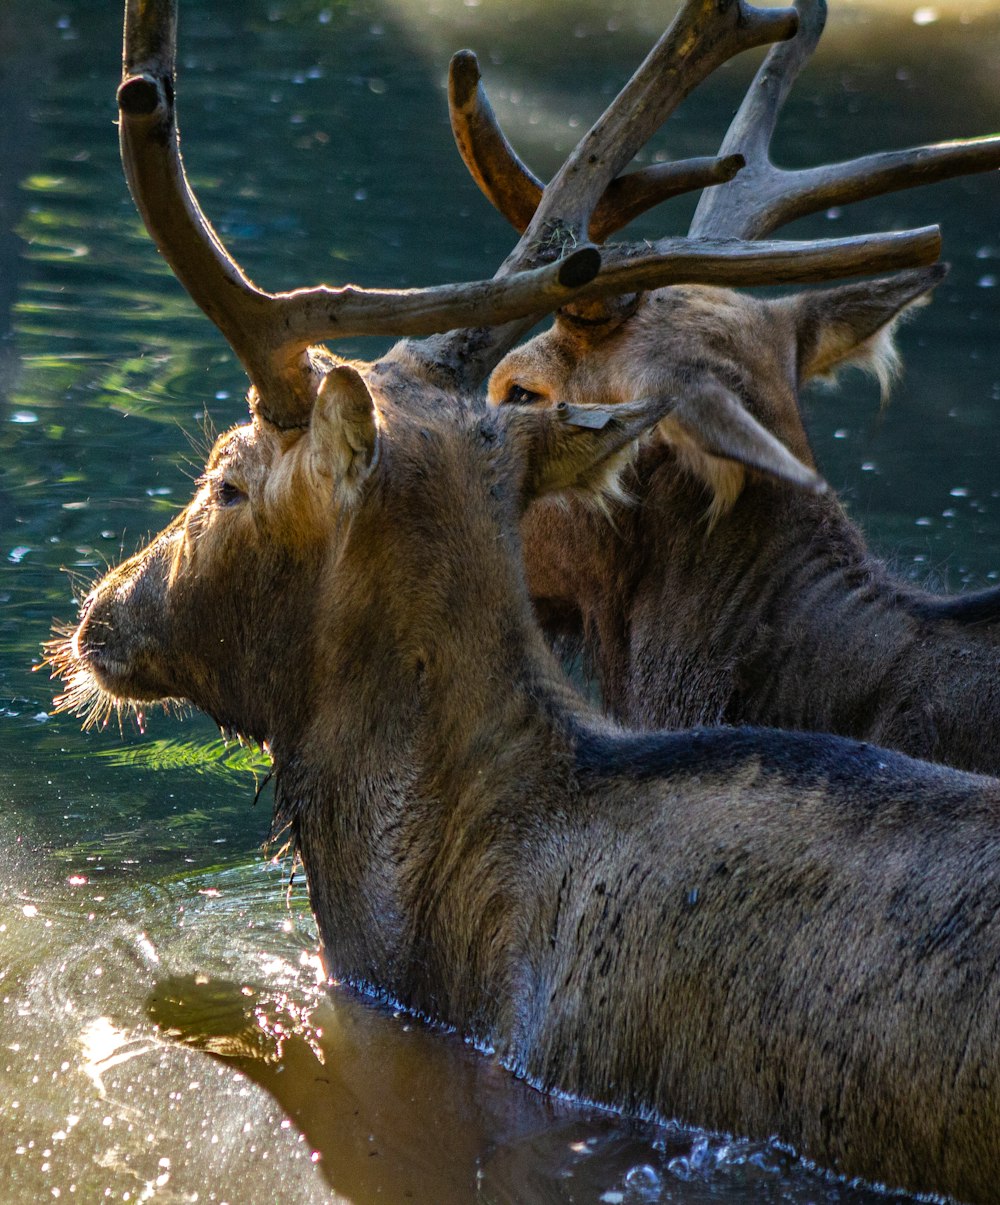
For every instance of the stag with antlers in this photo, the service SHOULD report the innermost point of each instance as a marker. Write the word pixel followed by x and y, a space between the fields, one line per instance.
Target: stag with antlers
pixel 724 595
pixel 737 929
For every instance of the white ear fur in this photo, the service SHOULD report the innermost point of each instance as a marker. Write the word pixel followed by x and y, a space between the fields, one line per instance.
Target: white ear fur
pixel 854 324
pixel 718 439
pixel 343 430
pixel 877 355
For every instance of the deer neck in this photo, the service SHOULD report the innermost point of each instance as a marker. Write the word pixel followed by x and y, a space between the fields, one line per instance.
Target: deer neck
pixel 433 674
pixel 724 616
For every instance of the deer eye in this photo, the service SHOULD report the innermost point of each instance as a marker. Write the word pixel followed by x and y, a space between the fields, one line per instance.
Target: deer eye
pixel 517 395
pixel 227 493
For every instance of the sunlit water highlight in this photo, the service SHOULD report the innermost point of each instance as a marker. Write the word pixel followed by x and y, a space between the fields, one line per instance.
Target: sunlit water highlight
pixel 163 1035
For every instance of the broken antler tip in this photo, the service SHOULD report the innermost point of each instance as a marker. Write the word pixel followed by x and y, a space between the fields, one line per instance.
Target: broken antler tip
pixel 138 96
pixel 580 267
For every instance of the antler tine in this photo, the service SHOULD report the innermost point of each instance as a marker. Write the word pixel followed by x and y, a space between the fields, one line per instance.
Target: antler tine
pixel 703 35
pixel 150 152
pixel 735 262
pixel 512 188
pixel 271 333
pixel 753 127
pixel 794 194
pixel 764 197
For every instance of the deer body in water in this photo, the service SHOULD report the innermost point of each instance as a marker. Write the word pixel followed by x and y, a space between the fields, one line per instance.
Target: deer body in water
pixel 755 931
pixel 747 930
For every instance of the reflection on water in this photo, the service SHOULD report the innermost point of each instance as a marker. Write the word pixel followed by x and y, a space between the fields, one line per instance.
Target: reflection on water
pixel 163 1036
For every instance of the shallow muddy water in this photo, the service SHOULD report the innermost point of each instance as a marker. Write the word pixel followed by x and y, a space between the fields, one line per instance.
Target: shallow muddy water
pixel 164 1033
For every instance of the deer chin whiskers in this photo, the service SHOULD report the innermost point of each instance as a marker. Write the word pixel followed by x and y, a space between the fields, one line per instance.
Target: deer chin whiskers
pixel 723 479
pixel 83 695
pixel 609 490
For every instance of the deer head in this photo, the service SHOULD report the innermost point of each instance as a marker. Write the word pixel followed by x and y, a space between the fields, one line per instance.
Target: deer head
pixel 736 364
pixel 723 352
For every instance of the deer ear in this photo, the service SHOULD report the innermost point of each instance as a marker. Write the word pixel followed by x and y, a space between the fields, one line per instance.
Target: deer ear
pixel 580 449
pixel 343 433
pixel 712 423
pixel 853 324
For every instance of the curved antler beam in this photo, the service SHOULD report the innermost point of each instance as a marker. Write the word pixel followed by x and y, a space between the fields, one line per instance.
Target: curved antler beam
pixel 733 262
pixel 271 333
pixel 515 191
pixel 306 315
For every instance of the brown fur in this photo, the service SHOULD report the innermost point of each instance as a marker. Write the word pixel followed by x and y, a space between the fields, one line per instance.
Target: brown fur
pixel 774 611
pixel 758 932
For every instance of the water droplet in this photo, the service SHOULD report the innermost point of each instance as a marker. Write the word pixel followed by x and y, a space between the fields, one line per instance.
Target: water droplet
pixel 643 1177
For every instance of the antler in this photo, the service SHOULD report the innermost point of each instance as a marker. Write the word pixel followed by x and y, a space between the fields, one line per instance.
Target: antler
pixel 703 35
pixel 746 195
pixel 587 197
pixel 764 197
pixel 516 192
pixel 271 333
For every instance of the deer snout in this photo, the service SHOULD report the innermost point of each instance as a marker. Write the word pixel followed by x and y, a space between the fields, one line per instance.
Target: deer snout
pixel 99 643
pixel 119 636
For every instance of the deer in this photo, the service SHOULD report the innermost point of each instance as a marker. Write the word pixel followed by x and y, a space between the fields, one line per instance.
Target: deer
pixel 720 594
pixel 749 930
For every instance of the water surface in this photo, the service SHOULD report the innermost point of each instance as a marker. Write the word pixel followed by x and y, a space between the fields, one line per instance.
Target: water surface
pixel 164 1034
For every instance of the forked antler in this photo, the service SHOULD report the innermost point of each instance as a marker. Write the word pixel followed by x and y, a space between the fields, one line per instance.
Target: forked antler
pixel 516 192
pixel 765 197
pixel 588 197
pixel 745 201
pixel 272 333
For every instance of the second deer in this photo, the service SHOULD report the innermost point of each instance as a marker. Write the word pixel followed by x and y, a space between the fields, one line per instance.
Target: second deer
pixel 723 595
